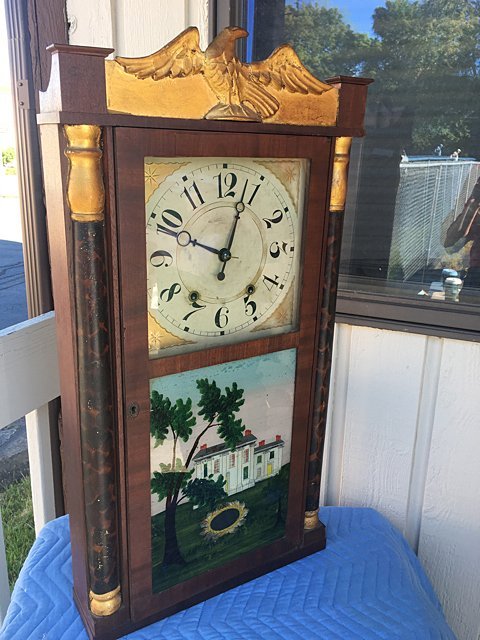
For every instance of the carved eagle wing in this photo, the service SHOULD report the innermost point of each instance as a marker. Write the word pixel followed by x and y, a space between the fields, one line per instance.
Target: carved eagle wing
pixel 282 71
pixel 179 58
pixel 244 91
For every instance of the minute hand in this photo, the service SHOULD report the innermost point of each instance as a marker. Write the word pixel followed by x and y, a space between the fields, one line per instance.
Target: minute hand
pixel 224 254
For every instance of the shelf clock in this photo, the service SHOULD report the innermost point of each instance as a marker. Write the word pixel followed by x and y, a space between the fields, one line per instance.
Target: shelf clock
pixel 195 208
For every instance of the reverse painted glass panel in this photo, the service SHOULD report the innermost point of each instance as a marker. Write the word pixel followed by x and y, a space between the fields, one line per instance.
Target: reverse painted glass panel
pixel 220 459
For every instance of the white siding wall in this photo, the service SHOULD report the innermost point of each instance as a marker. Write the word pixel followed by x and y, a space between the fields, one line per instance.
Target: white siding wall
pixel 133 27
pixel 404 428
pixel 404 438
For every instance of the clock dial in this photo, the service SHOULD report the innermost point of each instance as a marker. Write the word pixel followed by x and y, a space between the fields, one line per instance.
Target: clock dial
pixel 223 249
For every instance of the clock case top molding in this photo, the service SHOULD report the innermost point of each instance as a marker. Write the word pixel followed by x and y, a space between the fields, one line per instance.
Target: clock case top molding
pixel 93 172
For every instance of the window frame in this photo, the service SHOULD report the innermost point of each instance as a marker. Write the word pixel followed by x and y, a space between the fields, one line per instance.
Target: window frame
pixel 458 321
pixel 383 310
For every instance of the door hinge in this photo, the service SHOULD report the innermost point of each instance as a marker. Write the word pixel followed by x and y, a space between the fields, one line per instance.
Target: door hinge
pixel 23 95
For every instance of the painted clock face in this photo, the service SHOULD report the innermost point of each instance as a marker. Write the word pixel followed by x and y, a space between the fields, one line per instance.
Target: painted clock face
pixel 223 249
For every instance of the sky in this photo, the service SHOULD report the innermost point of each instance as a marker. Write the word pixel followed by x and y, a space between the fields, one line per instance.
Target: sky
pixel 357 13
pixel 272 369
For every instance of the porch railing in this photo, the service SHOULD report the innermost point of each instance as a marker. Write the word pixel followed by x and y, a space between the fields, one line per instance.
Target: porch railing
pixel 29 380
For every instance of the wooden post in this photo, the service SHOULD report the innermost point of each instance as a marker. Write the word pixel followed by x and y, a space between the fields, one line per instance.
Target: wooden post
pixel 41 469
pixel 4 586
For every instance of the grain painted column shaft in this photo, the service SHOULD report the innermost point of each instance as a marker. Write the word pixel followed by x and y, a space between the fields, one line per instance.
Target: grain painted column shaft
pixel 327 325
pixel 86 199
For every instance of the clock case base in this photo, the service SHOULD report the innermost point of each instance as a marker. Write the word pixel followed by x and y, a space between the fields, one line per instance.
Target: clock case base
pixel 60 204
pixel 100 629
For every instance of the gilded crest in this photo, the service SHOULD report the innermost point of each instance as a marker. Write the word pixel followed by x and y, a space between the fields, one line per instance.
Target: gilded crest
pixel 181 80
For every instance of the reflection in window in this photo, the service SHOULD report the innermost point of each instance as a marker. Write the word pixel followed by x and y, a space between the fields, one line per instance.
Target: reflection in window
pixel 414 175
pixel 464 231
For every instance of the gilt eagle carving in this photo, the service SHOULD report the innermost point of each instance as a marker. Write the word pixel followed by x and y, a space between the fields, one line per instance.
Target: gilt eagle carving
pixel 244 91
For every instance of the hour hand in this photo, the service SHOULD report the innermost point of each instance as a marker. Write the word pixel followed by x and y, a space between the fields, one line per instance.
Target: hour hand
pixel 184 239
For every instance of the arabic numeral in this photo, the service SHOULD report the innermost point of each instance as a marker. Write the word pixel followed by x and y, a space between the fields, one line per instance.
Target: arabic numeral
pixel 167 294
pixel 230 180
pixel 270 283
pixel 221 317
pixel 277 216
pixel 196 307
pixel 172 219
pixel 250 306
pixel 196 194
pixel 256 187
pixel 276 249
pixel 161 258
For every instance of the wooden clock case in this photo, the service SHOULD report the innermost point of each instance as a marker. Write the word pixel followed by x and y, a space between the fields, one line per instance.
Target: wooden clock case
pixel 93 169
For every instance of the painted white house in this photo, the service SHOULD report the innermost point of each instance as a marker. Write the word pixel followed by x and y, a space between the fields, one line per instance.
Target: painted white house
pixel 242 468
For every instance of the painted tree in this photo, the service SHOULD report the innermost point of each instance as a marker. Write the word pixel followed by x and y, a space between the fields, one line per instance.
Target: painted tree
pixel 176 421
pixel 275 491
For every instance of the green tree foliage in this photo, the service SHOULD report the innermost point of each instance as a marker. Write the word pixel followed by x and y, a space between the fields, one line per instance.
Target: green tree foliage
pixel 424 56
pixel 165 417
pixel 427 58
pixel 8 156
pixel 275 491
pixel 325 44
pixel 421 39
pixel 215 406
pixel 165 482
pixel 176 421
pixel 205 492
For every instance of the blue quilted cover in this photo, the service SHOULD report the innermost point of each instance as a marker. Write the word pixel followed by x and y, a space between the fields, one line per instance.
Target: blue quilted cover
pixel 366 584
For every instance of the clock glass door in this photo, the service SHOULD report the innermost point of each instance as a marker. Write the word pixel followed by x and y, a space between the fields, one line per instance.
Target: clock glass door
pixel 220 264
pixel 223 250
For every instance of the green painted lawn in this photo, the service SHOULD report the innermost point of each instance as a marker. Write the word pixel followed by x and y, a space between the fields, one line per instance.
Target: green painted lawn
pixel 200 554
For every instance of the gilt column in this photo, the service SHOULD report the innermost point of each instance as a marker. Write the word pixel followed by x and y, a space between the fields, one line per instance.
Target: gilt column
pixel 86 200
pixel 327 325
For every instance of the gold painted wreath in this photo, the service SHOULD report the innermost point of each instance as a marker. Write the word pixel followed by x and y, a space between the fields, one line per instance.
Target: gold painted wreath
pixel 225 520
